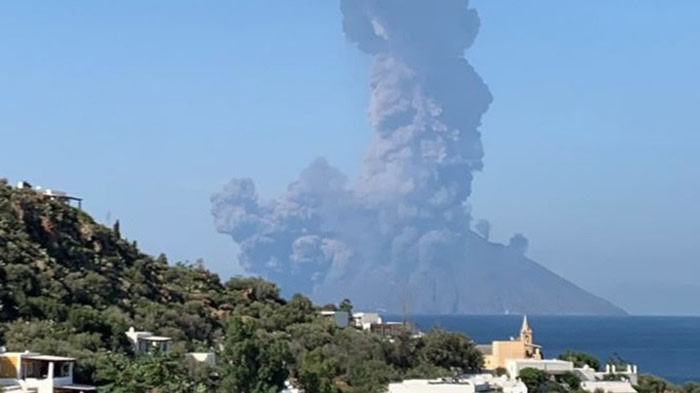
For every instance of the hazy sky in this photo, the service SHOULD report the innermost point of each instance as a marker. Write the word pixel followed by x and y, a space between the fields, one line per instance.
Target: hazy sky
pixel 592 142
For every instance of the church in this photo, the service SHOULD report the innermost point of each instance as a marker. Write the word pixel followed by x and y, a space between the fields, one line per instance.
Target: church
pixel 523 347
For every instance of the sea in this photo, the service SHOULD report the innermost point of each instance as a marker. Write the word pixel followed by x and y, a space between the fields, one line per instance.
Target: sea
pixel 668 347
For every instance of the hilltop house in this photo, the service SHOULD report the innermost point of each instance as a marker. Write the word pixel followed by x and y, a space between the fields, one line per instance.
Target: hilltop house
pixel 37 373
pixel 51 194
pixel 143 342
pixel 364 320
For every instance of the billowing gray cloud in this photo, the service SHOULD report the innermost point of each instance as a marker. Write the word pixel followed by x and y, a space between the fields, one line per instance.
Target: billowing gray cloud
pixel 483 228
pixel 404 218
pixel 518 243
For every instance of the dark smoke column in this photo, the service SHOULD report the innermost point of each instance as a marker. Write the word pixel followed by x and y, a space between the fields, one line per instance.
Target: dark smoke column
pixel 426 100
pixel 426 105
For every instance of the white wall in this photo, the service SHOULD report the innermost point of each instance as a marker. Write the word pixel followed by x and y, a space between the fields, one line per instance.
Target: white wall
pixel 424 386
pixel 608 386
pixel 514 366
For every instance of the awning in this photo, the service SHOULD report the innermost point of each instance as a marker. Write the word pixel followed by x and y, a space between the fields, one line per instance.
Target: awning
pixel 47 358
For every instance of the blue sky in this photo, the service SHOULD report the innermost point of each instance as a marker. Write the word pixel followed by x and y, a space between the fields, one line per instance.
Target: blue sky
pixel 146 108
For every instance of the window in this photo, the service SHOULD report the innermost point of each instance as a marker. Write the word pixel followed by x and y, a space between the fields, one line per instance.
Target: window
pixel 62 369
pixel 35 369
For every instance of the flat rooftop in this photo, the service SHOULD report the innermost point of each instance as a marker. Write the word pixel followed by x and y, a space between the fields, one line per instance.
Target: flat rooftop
pixel 155 338
pixel 48 358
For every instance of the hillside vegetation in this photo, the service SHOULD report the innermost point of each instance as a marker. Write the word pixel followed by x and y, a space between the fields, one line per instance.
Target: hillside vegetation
pixel 73 287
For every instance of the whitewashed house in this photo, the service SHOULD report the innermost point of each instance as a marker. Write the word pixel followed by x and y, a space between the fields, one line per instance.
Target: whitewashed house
pixel 37 373
pixel 365 320
pixel 143 342
pixel 549 366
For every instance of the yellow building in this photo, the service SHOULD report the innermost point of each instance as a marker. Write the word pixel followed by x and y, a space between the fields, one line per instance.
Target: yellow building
pixel 496 354
pixel 9 364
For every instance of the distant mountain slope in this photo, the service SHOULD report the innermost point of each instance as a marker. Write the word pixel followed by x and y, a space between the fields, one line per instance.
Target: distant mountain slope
pixel 494 279
pixel 517 284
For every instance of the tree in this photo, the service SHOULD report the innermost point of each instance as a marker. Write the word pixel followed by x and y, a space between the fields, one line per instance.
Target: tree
pixel 553 387
pixel 652 384
pixel 403 352
pixel 691 387
pixel 346 306
pixel 533 378
pixel 117 229
pixel 370 376
pixel 581 359
pixel 251 364
pixel 297 311
pixel 146 374
pixel 450 350
pixel 317 373
pixel 571 380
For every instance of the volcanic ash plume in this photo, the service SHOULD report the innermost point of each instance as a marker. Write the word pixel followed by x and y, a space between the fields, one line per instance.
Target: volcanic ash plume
pixel 402 227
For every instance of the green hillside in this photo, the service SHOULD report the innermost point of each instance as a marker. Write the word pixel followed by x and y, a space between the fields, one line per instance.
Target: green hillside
pixel 73 286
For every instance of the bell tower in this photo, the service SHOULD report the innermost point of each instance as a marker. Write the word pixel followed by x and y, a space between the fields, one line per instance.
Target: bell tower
pixel 526 332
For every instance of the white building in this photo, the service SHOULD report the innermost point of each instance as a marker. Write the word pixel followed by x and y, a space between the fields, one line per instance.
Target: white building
pixel 365 320
pixel 478 383
pixel 51 194
pixel 201 358
pixel 586 373
pixel 627 373
pixel 438 386
pixel 502 383
pixel 608 386
pixel 289 388
pixel 549 366
pixel 33 372
pixel 507 385
pixel 142 342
